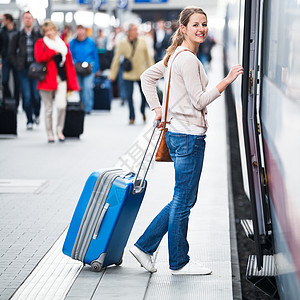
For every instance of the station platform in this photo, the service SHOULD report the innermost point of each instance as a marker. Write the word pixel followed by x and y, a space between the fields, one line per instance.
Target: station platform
pixel 40 185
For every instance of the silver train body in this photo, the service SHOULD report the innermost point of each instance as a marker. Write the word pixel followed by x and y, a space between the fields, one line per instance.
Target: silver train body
pixel 264 36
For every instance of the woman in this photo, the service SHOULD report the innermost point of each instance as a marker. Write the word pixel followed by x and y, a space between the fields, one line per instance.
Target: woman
pixel 84 52
pixel 60 77
pixel 187 126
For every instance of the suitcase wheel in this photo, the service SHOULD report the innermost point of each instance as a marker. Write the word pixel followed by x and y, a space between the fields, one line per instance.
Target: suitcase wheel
pixel 119 262
pixel 96 266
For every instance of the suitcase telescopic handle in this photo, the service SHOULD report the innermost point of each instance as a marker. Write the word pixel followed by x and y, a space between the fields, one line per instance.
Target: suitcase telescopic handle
pixel 139 184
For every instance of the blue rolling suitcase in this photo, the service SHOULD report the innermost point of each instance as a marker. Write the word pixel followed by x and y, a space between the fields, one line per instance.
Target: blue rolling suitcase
pixel 105 215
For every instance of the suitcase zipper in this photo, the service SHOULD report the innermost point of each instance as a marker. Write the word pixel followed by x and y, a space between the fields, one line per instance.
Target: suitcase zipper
pixel 79 234
pixel 93 224
pixel 103 212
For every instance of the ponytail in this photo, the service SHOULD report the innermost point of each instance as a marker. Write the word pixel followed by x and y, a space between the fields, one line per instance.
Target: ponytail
pixel 177 40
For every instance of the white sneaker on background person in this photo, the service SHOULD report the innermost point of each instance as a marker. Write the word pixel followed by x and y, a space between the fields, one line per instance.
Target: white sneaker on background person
pixel 37 120
pixel 192 268
pixel 143 258
pixel 29 126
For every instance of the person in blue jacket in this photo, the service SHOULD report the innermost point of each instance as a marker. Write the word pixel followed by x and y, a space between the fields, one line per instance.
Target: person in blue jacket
pixel 85 55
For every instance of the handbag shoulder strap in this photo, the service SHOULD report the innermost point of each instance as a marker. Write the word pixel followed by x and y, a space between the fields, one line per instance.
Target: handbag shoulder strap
pixel 168 89
pixel 133 46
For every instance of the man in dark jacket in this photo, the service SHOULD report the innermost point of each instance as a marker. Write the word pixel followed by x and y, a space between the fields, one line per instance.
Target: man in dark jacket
pixel 161 41
pixel 21 53
pixel 6 34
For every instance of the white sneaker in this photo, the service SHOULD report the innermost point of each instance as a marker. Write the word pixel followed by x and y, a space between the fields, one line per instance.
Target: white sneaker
pixel 144 259
pixel 192 268
pixel 29 126
pixel 37 120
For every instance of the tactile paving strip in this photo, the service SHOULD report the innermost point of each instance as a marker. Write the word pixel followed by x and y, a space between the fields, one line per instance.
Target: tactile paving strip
pixel 15 186
pixel 52 277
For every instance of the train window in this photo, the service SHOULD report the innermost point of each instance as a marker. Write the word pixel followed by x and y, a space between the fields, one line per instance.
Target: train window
pixel 282 48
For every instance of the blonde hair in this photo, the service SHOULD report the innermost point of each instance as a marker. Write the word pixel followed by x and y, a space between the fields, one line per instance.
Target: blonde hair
pixel 49 24
pixel 178 37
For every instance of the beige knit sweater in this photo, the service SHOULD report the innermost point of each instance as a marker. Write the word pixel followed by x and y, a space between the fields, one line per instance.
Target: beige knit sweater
pixel 141 59
pixel 188 96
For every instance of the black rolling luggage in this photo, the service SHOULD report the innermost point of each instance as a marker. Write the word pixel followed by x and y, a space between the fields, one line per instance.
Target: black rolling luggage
pixel 102 93
pixel 8 116
pixel 74 119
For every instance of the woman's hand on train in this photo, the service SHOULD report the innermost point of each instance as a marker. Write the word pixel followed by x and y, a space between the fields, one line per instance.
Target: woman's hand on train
pixel 234 72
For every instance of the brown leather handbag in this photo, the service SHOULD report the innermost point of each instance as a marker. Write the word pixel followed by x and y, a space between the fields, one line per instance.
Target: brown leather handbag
pixel 162 153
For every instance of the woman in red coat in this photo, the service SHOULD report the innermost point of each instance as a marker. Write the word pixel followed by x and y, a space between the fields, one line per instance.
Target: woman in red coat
pixel 60 77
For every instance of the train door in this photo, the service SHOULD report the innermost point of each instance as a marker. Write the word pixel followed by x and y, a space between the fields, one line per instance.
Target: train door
pixel 251 128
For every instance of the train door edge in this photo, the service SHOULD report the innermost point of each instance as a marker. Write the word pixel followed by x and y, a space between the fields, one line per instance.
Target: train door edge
pixel 251 63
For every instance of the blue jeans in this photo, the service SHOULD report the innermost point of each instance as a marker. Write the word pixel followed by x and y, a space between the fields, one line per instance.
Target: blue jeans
pixel 121 85
pixel 86 85
pixel 187 152
pixel 30 95
pixel 129 92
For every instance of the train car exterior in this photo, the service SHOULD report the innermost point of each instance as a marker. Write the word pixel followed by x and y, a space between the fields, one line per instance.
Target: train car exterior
pixel 264 35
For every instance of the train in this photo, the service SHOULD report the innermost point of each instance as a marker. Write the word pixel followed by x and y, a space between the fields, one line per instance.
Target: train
pixel 264 37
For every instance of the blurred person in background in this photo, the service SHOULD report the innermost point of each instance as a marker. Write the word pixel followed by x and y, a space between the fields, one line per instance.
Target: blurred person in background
pixel 148 36
pixel 161 40
pixel 6 34
pixel 84 52
pixel 21 54
pixel 105 57
pixel 119 90
pixel 135 49
pixel 114 38
pixel 204 51
pixel 60 77
pixel 101 41
pixel 171 30
pixel 67 34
